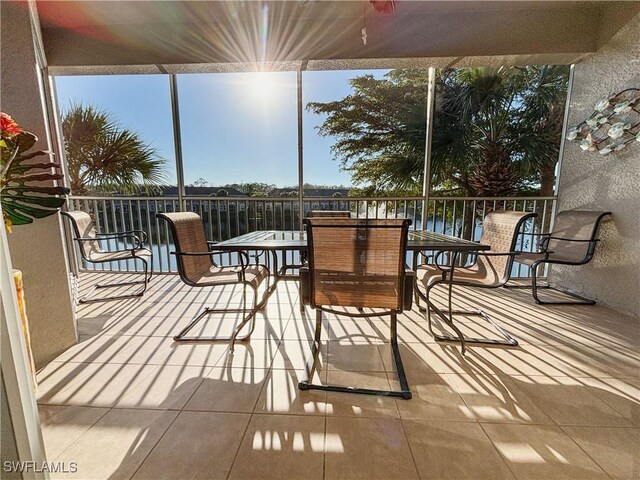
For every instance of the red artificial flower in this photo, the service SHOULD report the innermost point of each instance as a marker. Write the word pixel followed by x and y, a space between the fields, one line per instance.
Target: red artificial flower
pixel 383 6
pixel 8 126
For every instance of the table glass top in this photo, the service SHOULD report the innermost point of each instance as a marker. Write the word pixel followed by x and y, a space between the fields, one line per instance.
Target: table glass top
pixel 288 239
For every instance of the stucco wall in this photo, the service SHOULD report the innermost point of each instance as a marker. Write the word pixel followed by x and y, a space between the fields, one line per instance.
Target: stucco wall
pixel 8 447
pixel 590 181
pixel 36 249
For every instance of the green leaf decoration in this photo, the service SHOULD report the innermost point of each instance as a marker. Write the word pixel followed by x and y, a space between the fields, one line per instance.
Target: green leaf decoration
pixel 23 194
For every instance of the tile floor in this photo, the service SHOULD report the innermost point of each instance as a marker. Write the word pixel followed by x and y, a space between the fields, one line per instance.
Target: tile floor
pixel 127 402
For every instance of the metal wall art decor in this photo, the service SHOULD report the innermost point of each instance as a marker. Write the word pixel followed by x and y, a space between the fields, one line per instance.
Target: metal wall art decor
pixel 613 125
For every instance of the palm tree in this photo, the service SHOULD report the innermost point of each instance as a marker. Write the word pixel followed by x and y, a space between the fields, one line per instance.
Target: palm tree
pixel 103 156
pixel 498 129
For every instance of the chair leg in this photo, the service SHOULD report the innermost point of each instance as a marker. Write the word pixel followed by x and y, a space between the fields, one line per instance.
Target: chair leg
pixel 402 377
pixel 404 391
pixel 315 351
pixel 248 316
pixel 447 318
pixel 147 278
pixel 448 321
pixel 580 300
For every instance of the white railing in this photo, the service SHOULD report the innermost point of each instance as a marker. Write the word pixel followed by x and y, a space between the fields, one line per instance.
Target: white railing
pixel 227 217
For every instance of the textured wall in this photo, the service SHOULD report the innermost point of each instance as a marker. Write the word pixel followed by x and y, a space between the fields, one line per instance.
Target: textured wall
pixel 8 447
pixel 36 249
pixel 590 181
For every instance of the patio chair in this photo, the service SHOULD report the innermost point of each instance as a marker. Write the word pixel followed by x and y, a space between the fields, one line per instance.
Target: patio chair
pixel 88 240
pixel 197 268
pixel 486 269
pixel 572 241
pixel 357 263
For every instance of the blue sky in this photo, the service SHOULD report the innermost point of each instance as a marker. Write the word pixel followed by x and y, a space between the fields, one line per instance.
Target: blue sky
pixel 236 127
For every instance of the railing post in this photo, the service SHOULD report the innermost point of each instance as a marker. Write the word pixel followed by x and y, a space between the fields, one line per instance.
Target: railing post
pixel 177 139
pixel 300 153
pixel 426 175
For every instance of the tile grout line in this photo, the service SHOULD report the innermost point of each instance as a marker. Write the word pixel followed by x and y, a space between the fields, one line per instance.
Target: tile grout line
pixel 585 452
pixel 500 455
pixel 413 459
pixel 324 443
pixel 168 427
pixel 156 443
pixel 267 373
pixel 244 434
pixel 544 426
pixel 79 436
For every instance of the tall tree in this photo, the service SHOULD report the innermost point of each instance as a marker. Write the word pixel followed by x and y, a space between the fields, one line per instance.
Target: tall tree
pixel 102 156
pixel 495 129
pixel 379 130
pixel 504 123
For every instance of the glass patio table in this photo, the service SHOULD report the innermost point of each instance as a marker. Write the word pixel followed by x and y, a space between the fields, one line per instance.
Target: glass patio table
pixel 275 241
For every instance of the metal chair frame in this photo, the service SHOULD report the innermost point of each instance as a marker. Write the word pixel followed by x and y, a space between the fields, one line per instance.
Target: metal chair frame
pixel 448 278
pixel 404 391
pixel 543 244
pixel 139 236
pixel 248 314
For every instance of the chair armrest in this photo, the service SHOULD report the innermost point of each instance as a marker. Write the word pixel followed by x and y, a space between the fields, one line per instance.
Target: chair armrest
pixel 138 243
pixel 441 267
pixel 588 240
pixel 305 285
pixel 495 254
pixel 242 255
pixel 141 234
pixel 544 242
pixel 424 254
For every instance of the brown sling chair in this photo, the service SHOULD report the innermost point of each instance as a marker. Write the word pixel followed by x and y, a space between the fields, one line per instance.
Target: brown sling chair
pixel 88 239
pixel 197 268
pixel 572 241
pixel 487 269
pixel 357 263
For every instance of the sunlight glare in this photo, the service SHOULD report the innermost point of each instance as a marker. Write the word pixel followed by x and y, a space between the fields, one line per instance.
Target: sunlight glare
pixel 519 452
pixel 261 86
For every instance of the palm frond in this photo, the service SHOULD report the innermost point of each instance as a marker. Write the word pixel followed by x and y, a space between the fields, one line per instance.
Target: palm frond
pixel 105 157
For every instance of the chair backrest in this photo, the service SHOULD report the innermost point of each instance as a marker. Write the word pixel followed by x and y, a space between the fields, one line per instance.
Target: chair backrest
pixel 357 262
pixel 576 225
pixel 188 234
pixel 500 230
pixel 83 227
pixel 328 213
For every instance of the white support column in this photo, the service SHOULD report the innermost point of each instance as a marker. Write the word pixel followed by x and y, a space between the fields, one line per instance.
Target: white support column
pixel 300 152
pixel 426 175
pixel 565 124
pixel 177 138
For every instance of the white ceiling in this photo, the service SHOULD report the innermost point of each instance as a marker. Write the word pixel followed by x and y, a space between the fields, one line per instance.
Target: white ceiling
pixel 117 36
